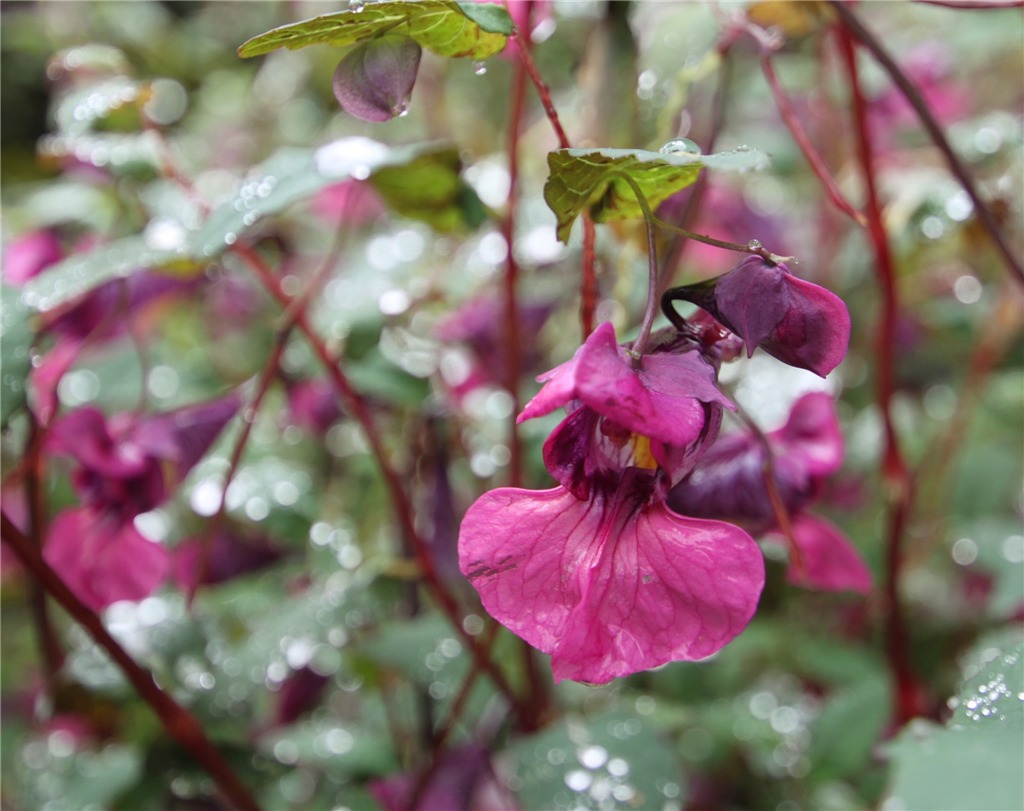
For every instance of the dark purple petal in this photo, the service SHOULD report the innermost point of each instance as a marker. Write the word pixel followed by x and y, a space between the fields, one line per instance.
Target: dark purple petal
pixel 458 782
pixel 612 585
pixel 230 555
pixel 183 436
pixel 815 332
pixel 103 560
pixel 751 300
pixel 374 80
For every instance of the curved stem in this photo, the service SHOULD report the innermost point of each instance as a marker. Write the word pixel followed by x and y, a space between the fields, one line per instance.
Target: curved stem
pixel 178 721
pixel 988 221
pixel 651 309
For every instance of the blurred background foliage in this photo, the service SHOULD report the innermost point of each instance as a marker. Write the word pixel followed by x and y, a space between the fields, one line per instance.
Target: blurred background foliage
pixel 323 669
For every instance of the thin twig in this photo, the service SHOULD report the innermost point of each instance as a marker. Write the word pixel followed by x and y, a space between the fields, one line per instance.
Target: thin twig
pixel 808 149
pixel 956 165
pixel 178 721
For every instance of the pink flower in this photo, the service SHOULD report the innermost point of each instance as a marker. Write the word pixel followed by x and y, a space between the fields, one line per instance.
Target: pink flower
pixel 374 80
pixel 313 405
pixel 795 321
pixel 354 202
pixel 728 484
pixel 599 572
pixel 126 463
pixel 29 255
pixel 103 559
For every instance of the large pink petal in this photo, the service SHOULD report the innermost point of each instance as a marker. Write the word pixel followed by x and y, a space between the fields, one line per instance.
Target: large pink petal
pixel 830 561
pixel 102 560
pixel 612 585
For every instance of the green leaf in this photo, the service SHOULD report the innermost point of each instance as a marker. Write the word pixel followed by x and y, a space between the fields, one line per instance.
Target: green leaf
pixel 849 727
pixel 613 761
pixel 442 26
pixel 993 695
pixel 15 338
pixel 421 182
pixel 429 189
pixel 977 769
pixel 974 764
pixel 81 272
pixel 491 17
pixel 582 178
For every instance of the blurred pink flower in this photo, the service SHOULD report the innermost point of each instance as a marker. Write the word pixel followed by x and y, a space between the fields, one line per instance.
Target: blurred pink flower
pixel 728 484
pixel 29 255
pixel 599 572
pixel 103 559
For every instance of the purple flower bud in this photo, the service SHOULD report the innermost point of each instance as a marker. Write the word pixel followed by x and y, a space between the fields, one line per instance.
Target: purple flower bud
pixel 795 321
pixel 374 80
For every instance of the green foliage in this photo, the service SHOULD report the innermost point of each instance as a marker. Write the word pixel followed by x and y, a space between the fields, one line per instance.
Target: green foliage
pixel 594 179
pixel 15 338
pixel 445 27
pixel 974 763
pixel 615 760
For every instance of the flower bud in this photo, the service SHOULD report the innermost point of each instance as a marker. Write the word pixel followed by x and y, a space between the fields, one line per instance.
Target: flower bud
pixel 374 80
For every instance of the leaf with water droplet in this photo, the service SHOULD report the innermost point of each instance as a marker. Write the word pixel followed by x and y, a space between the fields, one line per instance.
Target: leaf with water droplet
pixel 442 26
pixel 81 272
pixel 81 110
pixel 618 749
pixel 593 179
pixel 15 338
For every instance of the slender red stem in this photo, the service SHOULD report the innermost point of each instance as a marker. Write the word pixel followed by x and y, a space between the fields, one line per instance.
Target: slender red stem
pixel 513 355
pixel 896 480
pixel 808 149
pixel 359 409
pixel 988 220
pixel 178 721
pixel 588 272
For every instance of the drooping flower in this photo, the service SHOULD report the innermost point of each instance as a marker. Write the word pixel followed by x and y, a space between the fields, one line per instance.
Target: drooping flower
pixel 374 80
pixel 599 572
pixel 728 484
pixel 793 320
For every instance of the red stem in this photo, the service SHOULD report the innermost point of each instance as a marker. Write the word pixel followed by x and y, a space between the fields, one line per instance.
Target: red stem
pixel 853 27
pixel 588 273
pixel 178 721
pixel 513 356
pixel 808 149
pixel 895 478
pixel 360 410
pixel 972 4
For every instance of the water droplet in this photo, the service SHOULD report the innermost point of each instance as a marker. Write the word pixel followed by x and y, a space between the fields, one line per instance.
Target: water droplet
pixel 229 238
pixel 356 6
pixel 681 146
pixel 400 110
pixel 742 148
pixel 479 68
pixel 754 245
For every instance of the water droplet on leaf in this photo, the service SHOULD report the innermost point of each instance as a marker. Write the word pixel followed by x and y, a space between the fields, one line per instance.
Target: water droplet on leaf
pixel 681 146
pixel 356 6
pixel 479 68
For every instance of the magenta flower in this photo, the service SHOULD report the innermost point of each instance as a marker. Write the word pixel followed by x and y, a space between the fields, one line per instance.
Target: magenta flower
pixel 728 484
pixel 29 255
pixel 599 572
pixel 795 321
pixel 374 80
pixel 126 463
pixel 313 405
pixel 103 559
